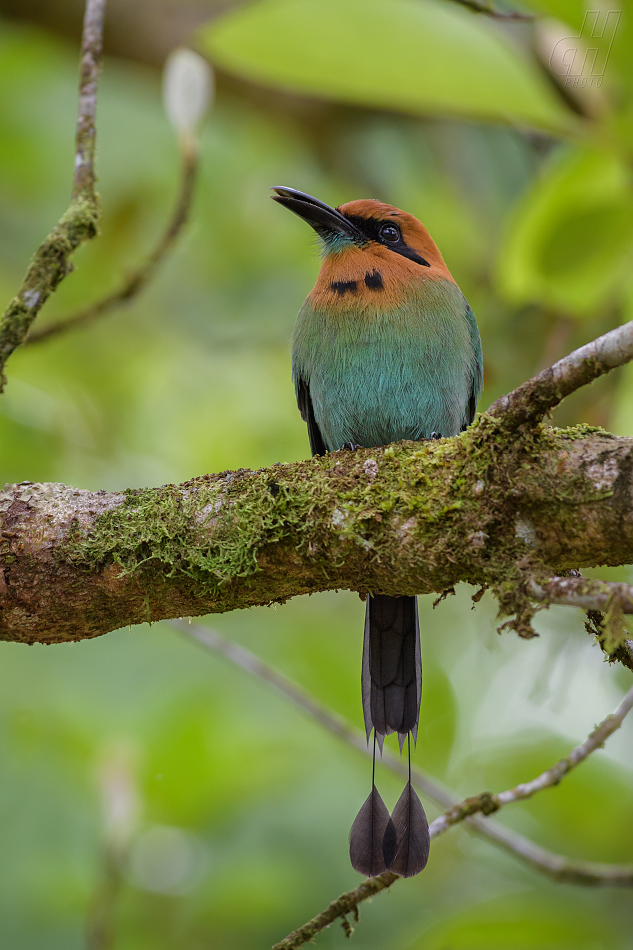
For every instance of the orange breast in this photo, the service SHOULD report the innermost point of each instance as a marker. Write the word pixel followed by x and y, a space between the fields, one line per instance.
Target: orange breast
pixel 372 278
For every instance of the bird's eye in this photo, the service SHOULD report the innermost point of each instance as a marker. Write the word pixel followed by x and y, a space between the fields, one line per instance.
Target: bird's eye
pixel 389 233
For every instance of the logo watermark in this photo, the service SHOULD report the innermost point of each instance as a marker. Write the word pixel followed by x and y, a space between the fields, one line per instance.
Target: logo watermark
pixel 577 60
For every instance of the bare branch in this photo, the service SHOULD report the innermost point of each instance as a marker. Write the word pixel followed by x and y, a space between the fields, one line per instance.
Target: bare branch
pixel 482 6
pixel 51 262
pixel 86 136
pixel 605 604
pixel 553 776
pixel 583 593
pixel 139 278
pixel 557 866
pixel 535 398
pixel 330 720
pixel 553 865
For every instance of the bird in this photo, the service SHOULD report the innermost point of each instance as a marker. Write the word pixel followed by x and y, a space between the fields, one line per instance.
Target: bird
pixel 385 348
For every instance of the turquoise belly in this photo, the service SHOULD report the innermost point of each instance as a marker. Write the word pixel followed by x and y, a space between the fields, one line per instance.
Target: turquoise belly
pixel 398 374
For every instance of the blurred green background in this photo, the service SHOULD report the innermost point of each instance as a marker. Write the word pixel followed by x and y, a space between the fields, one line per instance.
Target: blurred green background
pixel 237 808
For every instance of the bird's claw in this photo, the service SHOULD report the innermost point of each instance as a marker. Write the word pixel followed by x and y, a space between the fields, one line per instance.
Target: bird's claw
pixel 351 446
pixel 436 435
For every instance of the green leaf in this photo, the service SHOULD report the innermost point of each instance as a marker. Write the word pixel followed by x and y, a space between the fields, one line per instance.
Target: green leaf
pixel 571 238
pixel 408 55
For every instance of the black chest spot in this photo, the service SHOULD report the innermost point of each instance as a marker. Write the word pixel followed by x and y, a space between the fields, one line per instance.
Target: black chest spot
pixel 342 287
pixel 374 280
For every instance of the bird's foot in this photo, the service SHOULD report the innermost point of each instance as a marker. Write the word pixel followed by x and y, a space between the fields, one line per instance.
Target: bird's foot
pixel 436 435
pixel 351 446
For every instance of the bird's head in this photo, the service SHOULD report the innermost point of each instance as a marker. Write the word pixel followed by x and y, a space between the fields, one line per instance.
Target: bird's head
pixel 373 252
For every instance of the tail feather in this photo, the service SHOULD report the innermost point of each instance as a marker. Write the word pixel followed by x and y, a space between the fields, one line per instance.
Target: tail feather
pixel 412 835
pixel 391 689
pixel 392 671
pixel 372 840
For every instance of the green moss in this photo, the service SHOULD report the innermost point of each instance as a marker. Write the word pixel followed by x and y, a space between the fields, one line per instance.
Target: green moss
pixel 453 499
pixel 50 264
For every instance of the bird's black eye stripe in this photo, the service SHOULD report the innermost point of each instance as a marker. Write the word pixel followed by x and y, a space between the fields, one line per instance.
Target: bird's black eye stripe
pixel 383 232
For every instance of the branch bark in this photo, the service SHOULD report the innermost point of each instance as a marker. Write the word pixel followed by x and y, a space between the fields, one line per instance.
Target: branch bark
pixel 480 508
pixel 51 262
pixel 584 593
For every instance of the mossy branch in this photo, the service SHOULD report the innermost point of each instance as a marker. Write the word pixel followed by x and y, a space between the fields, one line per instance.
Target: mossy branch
pixel 51 262
pixel 409 518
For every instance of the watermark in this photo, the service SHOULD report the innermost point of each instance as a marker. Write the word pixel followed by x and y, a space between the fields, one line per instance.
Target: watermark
pixel 580 63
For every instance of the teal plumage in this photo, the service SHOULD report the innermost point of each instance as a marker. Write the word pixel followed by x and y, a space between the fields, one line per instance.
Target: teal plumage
pixel 413 372
pixel 385 348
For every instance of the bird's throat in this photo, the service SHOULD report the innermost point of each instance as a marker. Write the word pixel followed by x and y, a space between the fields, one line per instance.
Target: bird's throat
pixel 371 279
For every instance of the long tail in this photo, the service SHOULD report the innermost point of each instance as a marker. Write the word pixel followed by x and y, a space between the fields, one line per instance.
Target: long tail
pixel 391 688
pixel 392 669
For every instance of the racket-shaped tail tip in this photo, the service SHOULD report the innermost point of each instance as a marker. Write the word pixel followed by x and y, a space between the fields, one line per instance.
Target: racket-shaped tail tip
pixel 372 826
pixel 412 835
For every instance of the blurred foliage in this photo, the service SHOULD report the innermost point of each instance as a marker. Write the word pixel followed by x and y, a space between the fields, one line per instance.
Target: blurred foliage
pixel 236 807
pixel 393 53
pixel 572 238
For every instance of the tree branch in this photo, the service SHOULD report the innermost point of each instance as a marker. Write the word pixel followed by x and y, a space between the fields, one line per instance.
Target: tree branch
pixel 331 721
pixel 555 865
pixel 556 773
pixel 139 278
pixel 476 508
pixel 86 136
pixel 51 262
pixel 595 597
pixel 531 401
pixel 583 593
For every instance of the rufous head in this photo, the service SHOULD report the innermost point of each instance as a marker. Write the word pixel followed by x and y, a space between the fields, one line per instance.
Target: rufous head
pixel 373 252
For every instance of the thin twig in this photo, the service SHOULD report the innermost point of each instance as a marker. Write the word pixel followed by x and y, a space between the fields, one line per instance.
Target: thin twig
pixel 80 222
pixel 583 593
pixel 556 866
pixel 533 399
pixel 139 278
pixel 605 604
pixel 481 6
pixel 553 776
pixel 86 135
pixel 329 719
pixel 120 809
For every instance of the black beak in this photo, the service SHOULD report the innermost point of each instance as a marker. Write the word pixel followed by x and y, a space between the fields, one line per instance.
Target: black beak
pixel 321 217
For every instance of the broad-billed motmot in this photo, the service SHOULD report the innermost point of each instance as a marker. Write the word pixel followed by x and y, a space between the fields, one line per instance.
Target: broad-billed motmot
pixel 385 348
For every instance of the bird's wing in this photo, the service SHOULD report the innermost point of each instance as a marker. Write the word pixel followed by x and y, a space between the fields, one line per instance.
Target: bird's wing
pixel 472 404
pixel 477 367
pixel 304 403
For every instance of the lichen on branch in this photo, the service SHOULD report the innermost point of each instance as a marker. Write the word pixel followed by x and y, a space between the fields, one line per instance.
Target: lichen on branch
pixel 408 518
pixel 51 262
